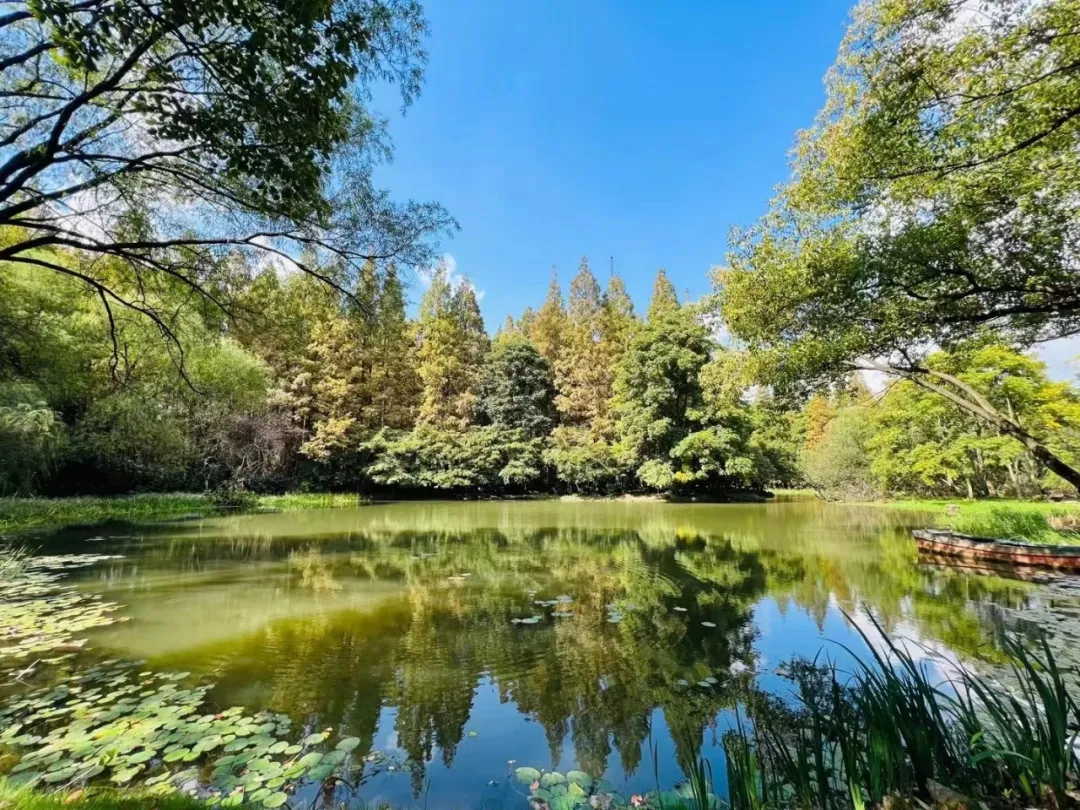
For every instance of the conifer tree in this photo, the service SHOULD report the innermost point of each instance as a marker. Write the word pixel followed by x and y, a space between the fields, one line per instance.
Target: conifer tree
pixel 581 374
pixel 547 329
pixel 452 342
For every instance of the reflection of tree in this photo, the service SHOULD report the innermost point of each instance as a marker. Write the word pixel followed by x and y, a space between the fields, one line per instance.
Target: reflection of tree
pixel 423 648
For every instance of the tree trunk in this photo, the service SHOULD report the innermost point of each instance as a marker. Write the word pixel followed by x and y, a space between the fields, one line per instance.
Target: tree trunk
pixel 973 402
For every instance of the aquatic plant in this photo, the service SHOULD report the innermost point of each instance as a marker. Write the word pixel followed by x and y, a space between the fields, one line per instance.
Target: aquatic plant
pixel 39 616
pixel 888 730
pixel 119 723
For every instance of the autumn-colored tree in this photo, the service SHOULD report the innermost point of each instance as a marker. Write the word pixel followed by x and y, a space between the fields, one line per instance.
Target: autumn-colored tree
pixel 452 343
pixel 547 328
pixel 581 375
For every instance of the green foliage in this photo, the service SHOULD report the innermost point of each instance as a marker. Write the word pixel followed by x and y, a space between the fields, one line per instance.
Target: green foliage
pixel 933 199
pixel 517 390
pixel 888 731
pixel 483 459
pixel 453 344
pixel 214 131
pixel 913 441
pixel 839 464
pixel 30 437
pixel 13 797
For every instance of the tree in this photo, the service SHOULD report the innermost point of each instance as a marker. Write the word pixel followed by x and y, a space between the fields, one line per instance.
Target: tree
pixel 173 135
pixel 933 198
pixel 547 327
pixel 924 445
pixel 452 344
pixel 516 388
pixel 659 400
pixel 582 375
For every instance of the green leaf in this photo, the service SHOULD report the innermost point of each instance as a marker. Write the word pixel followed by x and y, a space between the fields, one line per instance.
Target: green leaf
pixel 580 778
pixel 275 799
pixel 348 744
pixel 527 775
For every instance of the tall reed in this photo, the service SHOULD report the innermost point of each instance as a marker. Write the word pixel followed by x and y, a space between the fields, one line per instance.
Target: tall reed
pixel 886 729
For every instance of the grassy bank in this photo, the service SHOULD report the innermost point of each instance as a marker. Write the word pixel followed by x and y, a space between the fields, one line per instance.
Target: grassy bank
pixel 16 798
pixel 18 515
pixel 1033 521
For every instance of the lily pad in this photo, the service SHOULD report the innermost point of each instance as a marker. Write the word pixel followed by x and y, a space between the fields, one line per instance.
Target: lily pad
pixel 527 775
pixel 551 779
pixel 579 778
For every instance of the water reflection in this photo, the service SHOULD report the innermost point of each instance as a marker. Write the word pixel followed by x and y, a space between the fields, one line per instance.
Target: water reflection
pixel 395 623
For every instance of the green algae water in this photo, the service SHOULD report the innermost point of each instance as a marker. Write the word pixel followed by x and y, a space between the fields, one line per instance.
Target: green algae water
pixel 459 642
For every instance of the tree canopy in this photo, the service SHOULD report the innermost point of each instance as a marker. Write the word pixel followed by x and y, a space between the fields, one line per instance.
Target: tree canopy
pixel 184 138
pixel 933 199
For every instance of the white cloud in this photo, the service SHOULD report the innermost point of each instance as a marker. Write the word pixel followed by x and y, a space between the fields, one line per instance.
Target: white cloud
pixel 447 265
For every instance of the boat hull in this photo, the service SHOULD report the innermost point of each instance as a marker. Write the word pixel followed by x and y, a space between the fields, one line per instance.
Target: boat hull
pixel 998 552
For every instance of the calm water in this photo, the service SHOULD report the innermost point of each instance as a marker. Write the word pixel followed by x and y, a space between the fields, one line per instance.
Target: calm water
pixel 395 623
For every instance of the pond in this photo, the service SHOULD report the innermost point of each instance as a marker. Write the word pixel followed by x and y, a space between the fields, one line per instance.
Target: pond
pixel 460 641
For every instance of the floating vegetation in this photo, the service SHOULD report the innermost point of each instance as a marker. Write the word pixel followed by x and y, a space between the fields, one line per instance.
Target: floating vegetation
pixel 557 791
pixel 708 624
pixel 114 722
pixel 39 617
pixel 679 609
pixel 529 620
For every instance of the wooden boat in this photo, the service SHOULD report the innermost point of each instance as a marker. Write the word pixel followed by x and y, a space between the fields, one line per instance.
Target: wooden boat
pixel 987 550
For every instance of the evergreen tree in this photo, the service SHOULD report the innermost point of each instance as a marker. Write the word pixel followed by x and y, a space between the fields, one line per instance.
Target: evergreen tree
pixel 517 390
pixel 617 326
pixel 582 376
pixel 395 383
pixel 664 428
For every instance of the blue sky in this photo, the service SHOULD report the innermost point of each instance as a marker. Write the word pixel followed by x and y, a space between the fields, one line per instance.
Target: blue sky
pixel 638 130
pixel 611 128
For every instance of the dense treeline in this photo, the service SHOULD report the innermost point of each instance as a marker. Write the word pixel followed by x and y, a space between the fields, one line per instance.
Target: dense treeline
pixel 310 387
pixel 307 387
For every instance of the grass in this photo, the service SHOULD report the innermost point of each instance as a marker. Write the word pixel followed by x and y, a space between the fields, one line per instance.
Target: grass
pixel 1034 521
pixel 16 798
pixel 886 730
pixel 21 515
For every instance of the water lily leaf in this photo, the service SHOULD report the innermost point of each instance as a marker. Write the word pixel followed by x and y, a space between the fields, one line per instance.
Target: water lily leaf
pixel 310 760
pixel 708 624
pixel 541 794
pixel 527 775
pixel 334 758
pixel 315 739
pixel 126 775
pixel 348 744
pixel 579 778
pixel 275 799
pixel 551 779
pixel 321 771
pixel 566 802
pixel 177 755
pixel 140 756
